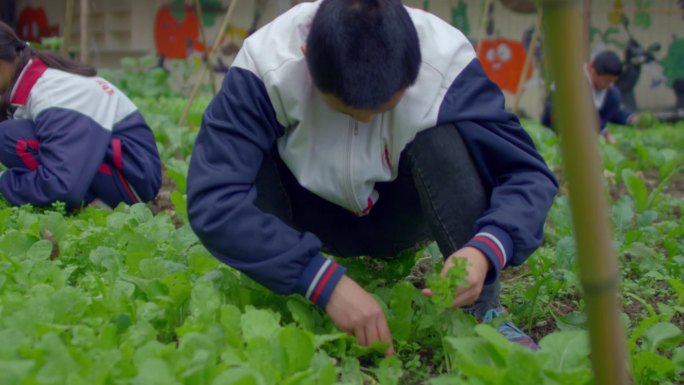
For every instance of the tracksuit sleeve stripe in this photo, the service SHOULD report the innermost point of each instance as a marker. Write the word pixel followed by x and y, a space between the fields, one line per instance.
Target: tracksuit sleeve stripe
pixel 496 245
pixel 497 242
pixel 493 247
pixel 317 278
pixel 325 279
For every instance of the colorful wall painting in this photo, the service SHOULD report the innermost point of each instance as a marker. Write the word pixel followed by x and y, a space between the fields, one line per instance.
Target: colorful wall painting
pixel 503 61
pixel 459 17
pixel 176 37
pixel 673 63
pixel 642 18
pixel 617 13
pixel 33 25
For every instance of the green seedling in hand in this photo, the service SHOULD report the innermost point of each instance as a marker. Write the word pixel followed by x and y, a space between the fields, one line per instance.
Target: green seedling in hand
pixel 444 288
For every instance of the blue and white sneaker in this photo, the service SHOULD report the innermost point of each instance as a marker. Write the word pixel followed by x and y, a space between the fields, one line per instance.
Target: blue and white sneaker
pixel 508 329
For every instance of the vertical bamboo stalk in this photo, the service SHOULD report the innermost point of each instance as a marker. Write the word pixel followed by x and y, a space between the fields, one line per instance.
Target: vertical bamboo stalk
pixel 200 18
pixel 198 82
pixel 586 29
pixel 68 22
pixel 528 60
pixel 483 26
pixel 85 34
pixel 577 124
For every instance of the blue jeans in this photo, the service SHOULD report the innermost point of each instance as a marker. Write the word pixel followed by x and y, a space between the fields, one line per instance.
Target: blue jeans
pixel 437 196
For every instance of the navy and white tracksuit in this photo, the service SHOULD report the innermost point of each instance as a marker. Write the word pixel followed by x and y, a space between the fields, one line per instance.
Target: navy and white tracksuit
pixel 268 99
pixel 607 103
pixel 74 139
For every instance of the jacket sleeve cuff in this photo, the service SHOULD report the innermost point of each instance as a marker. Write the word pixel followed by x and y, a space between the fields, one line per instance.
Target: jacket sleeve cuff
pixel 497 245
pixel 319 279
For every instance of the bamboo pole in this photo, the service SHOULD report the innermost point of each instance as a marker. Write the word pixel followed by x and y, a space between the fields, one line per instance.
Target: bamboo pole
pixel 483 26
pixel 528 60
pixel 68 22
pixel 200 18
pixel 198 82
pixel 84 32
pixel 586 29
pixel 577 124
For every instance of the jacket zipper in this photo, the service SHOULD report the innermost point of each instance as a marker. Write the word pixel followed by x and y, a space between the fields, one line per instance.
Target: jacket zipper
pixel 353 130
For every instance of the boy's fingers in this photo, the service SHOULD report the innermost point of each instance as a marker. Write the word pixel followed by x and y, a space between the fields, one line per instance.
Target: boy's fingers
pixel 372 334
pixel 426 292
pixel 386 335
pixel 360 334
pixel 464 297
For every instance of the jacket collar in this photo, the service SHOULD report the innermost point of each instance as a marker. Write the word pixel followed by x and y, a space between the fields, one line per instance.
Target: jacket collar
pixel 28 77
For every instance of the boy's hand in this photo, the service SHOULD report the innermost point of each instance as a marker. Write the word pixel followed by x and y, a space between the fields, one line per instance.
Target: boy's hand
pixel 355 312
pixel 610 139
pixel 478 266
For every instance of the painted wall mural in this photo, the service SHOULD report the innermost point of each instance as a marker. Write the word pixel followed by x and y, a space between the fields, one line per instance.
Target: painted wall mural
pixel 503 60
pixel 177 35
pixel 617 25
pixel 459 17
pixel 33 25
pixel 177 32
pixel 673 66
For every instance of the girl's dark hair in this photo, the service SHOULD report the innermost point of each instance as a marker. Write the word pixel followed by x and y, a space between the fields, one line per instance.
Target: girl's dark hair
pixel 12 47
pixel 363 51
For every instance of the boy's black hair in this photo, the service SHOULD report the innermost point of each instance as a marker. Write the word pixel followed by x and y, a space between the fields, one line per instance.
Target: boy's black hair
pixel 363 51
pixel 607 63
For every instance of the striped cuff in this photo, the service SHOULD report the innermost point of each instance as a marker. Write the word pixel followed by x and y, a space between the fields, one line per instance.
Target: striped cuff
pixel 497 245
pixel 319 279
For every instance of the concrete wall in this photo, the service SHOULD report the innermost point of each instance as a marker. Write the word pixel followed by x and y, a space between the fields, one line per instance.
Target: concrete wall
pixel 127 28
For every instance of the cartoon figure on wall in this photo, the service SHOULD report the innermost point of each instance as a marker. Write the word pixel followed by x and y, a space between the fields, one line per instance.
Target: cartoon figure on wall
pixel 503 61
pixel 174 37
pixel 33 25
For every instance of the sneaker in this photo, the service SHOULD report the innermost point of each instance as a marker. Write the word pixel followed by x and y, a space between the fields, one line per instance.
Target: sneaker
pixel 508 329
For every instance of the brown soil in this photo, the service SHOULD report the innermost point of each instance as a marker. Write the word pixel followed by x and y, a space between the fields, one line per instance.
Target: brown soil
pixel 162 203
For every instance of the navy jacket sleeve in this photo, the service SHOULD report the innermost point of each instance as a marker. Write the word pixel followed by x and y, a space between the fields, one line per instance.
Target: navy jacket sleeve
pixel 612 111
pixel 522 186
pixel 71 149
pixel 237 128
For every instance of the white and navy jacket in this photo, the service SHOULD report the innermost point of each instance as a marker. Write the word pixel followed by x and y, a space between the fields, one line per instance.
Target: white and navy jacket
pixel 268 99
pixel 80 123
pixel 607 103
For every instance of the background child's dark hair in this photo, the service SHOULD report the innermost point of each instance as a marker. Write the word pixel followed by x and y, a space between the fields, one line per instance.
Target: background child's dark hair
pixel 12 47
pixel 607 63
pixel 363 51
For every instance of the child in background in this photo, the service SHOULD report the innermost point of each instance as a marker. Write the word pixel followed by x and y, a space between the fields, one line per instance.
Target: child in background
pixel 67 135
pixel 601 74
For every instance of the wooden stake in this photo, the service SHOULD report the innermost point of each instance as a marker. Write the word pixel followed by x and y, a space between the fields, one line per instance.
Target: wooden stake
pixel 528 61
pixel 577 123
pixel 483 26
pixel 198 10
pixel 84 32
pixel 68 22
pixel 217 42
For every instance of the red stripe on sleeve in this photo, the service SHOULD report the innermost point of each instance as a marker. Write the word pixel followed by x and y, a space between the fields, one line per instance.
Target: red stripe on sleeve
pixel 321 284
pixel 493 247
